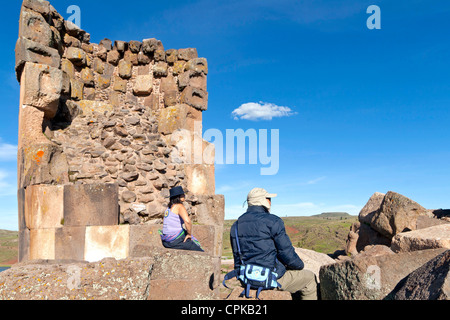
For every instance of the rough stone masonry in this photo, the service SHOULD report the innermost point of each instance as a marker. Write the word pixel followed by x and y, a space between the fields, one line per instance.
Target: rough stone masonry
pixel 99 142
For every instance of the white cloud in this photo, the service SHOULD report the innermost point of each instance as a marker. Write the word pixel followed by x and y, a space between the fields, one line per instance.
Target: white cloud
pixel 261 111
pixel 314 181
pixel 8 152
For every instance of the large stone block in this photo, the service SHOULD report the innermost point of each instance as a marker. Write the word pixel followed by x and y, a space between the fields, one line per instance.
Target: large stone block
pixel 193 79
pixel 371 207
pixel 144 240
pixel 428 238
pixel 187 54
pixel 40 6
pixel 90 107
pixel 107 280
pixel 397 214
pixel 31 51
pixel 429 282
pixel 367 236
pixel 107 242
pixel 195 97
pixel 76 55
pixel 178 117
pixel 206 235
pixel 210 209
pixel 370 277
pixel 149 46
pixel 143 85
pixel 21 208
pixel 33 26
pixel 200 179
pixel 41 87
pixel 172 119
pixel 42 244
pixel 125 69
pixel 70 243
pixel 44 207
pixel 91 205
pixel 182 275
pixel 198 65
pixel 42 164
pixel 24 245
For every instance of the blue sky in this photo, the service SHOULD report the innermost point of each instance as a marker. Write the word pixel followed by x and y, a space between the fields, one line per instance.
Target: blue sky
pixel 369 108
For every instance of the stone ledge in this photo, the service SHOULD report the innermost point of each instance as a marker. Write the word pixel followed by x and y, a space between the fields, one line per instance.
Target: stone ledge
pixel 94 243
pixel 110 279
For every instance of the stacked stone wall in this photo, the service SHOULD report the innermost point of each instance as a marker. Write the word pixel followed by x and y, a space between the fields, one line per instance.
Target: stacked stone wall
pixel 123 118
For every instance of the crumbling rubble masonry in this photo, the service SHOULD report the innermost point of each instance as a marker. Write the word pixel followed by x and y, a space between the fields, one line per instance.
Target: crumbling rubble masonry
pixel 104 132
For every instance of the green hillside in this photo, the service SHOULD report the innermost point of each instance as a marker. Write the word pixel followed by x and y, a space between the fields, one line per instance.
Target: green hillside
pixel 8 247
pixel 333 215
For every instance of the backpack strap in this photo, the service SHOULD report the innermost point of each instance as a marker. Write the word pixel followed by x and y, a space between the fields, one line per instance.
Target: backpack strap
pixel 258 293
pixel 237 243
pixel 230 275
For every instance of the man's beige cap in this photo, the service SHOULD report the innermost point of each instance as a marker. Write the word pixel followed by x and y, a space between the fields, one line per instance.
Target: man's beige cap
pixel 258 197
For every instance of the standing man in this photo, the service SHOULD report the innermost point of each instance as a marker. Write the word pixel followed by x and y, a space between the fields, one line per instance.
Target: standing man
pixel 263 241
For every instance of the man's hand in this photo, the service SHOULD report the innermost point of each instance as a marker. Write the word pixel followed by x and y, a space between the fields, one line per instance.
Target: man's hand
pixel 188 237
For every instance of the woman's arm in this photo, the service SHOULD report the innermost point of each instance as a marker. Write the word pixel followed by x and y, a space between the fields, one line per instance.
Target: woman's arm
pixel 181 211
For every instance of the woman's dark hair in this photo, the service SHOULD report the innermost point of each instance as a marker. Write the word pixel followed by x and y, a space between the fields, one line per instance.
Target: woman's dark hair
pixel 175 200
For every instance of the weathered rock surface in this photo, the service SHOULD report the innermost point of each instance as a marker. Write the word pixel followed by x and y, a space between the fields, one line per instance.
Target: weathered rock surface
pixel 164 276
pixel 371 207
pixel 429 282
pixel 387 215
pixel 370 276
pixel 314 260
pixel 106 280
pixel 397 214
pixel 428 238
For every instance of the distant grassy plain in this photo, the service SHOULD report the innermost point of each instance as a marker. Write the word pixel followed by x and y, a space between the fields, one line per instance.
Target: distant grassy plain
pixel 326 233
pixel 9 241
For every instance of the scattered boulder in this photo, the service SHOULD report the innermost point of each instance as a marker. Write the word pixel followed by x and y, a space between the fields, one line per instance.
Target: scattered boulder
pixel 314 260
pixel 397 214
pixel 367 236
pixel 371 207
pixel 429 282
pixel 428 238
pixel 370 276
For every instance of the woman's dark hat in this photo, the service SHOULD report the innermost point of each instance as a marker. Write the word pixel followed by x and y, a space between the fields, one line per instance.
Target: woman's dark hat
pixel 177 191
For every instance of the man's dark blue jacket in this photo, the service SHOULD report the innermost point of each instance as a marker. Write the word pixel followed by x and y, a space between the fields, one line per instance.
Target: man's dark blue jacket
pixel 263 240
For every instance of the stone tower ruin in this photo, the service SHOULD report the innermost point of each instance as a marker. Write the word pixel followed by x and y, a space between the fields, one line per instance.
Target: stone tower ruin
pixel 105 130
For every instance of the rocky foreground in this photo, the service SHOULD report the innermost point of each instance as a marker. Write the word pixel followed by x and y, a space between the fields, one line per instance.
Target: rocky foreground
pixel 394 238
pixel 173 275
pixel 397 251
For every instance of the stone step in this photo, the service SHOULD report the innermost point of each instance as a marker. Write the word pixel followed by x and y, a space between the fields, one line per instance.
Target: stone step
pixel 94 243
pixel 169 275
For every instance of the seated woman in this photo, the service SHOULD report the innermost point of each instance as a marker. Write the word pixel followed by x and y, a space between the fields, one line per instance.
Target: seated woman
pixel 174 236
